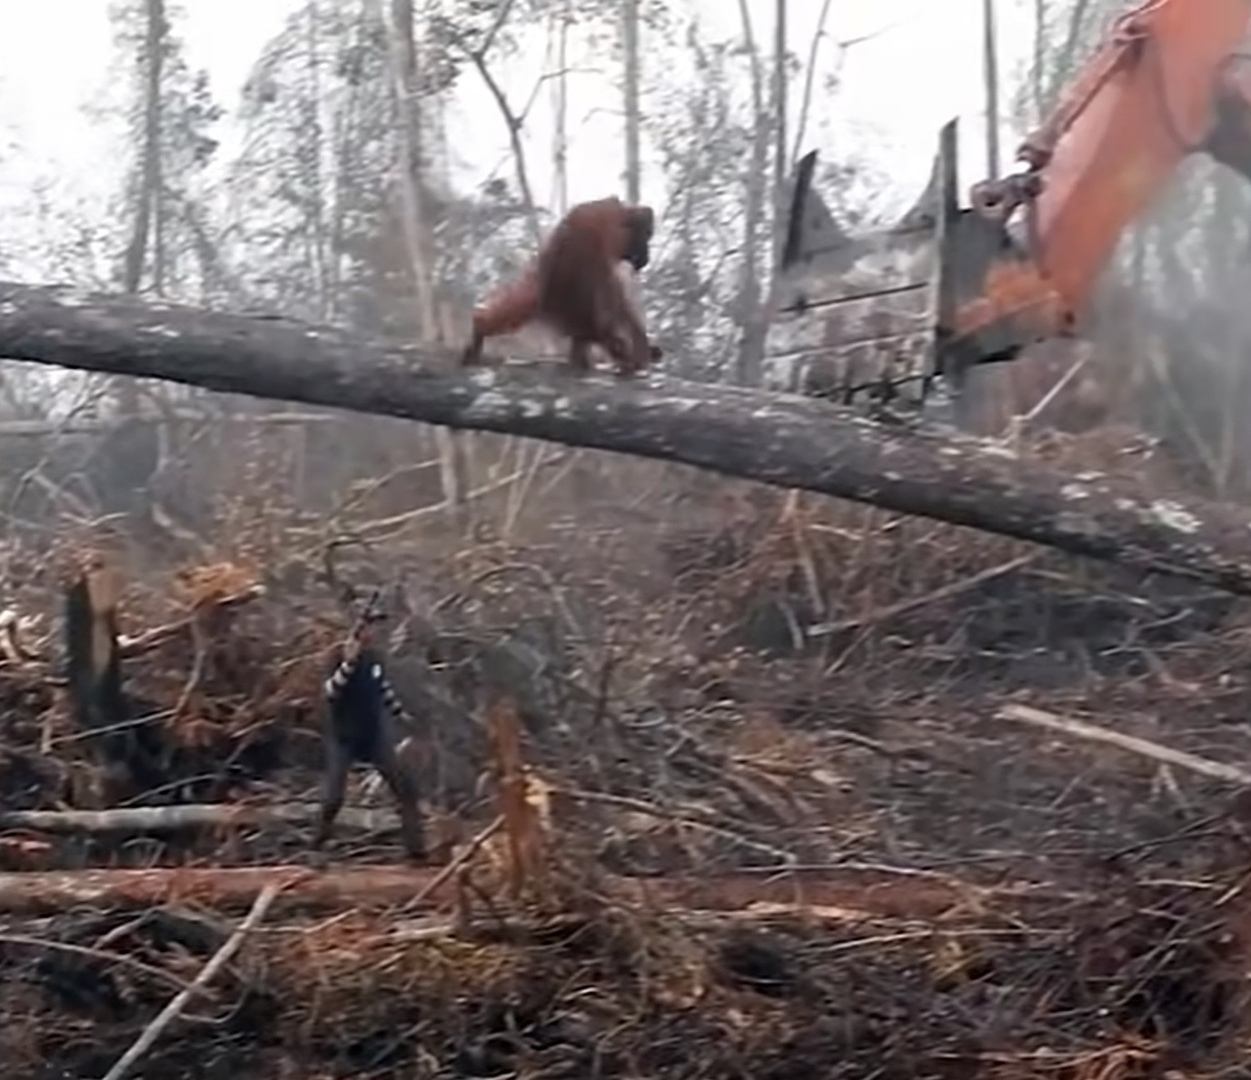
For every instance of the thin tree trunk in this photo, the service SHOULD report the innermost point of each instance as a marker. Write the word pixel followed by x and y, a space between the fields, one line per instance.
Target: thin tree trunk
pixel 560 150
pixel 810 70
pixel 630 41
pixel 750 313
pixel 990 70
pixel 150 154
pixel 402 54
pixel 317 138
pixel 513 122
pixel 780 164
pixel 1040 35
pixel 148 198
pixel 403 67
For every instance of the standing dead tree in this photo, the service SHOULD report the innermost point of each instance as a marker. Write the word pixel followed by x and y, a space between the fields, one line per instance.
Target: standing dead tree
pixel 783 440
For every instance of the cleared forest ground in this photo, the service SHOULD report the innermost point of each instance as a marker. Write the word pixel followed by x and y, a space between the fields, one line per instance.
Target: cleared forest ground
pixel 787 831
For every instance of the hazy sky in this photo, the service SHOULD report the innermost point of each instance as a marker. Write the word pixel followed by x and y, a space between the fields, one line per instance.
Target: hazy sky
pixel 921 66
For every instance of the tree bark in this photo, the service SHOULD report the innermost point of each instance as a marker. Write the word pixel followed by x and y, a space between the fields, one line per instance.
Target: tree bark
pixel 990 79
pixel 781 166
pixel 185 817
pixel 382 888
pixel 750 309
pixel 630 46
pixel 402 58
pixel 98 702
pixel 783 440
pixel 147 204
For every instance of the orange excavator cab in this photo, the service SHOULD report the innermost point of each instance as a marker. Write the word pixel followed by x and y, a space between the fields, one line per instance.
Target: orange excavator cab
pixel 951 287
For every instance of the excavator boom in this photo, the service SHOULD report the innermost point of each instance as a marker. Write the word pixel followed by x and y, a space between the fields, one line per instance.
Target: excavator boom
pixel 1019 264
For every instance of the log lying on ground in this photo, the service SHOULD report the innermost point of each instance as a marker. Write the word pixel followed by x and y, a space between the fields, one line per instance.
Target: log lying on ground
pixel 384 887
pixel 148 820
pixel 782 440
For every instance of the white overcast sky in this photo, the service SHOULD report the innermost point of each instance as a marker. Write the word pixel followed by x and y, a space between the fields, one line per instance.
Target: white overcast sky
pixel 920 67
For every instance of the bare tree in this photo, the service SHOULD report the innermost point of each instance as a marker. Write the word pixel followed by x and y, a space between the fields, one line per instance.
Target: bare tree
pixel 477 51
pixel 990 72
pixel 751 311
pixel 630 46
pixel 563 19
pixel 781 163
pixel 402 52
pixel 319 240
pixel 148 201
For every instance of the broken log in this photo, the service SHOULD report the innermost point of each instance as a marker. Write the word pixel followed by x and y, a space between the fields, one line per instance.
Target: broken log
pixel 379 888
pixel 778 439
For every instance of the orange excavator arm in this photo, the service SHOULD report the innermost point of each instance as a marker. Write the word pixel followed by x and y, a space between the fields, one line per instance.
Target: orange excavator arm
pixel 1020 264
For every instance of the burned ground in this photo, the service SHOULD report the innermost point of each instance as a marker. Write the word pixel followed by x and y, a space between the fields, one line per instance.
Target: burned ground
pixel 734 682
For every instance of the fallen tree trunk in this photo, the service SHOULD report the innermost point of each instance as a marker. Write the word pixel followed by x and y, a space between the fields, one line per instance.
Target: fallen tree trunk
pixel 383 887
pixel 783 440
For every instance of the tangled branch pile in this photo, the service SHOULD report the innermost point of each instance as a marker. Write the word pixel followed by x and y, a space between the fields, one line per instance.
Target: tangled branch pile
pixel 787 834
pixel 1076 989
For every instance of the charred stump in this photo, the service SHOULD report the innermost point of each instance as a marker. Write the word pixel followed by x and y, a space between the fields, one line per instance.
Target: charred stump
pixel 128 753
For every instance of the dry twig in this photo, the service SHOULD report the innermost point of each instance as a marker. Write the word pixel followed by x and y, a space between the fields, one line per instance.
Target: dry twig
pixel 1144 747
pixel 461 858
pixel 218 961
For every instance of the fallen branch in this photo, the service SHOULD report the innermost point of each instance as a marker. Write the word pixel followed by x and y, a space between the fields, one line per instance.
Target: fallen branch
pixel 1143 747
pixel 903 607
pixel 784 440
pixel 661 813
pixel 93 426
pixel 92 953
pixel 157 635
pixel 151 820
pixel 459 860
pixel 219 959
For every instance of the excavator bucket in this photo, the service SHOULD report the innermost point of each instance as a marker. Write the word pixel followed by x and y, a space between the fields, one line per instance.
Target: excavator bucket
pixel 861 315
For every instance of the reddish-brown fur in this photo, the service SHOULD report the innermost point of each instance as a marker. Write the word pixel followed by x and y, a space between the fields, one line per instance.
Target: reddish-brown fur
pixel 572 287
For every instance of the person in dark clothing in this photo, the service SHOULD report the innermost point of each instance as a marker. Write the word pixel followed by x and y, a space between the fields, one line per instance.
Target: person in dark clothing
pixel 364 721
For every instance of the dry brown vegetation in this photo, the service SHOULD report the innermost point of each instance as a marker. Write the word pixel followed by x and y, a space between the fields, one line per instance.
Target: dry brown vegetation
pixel 950 894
